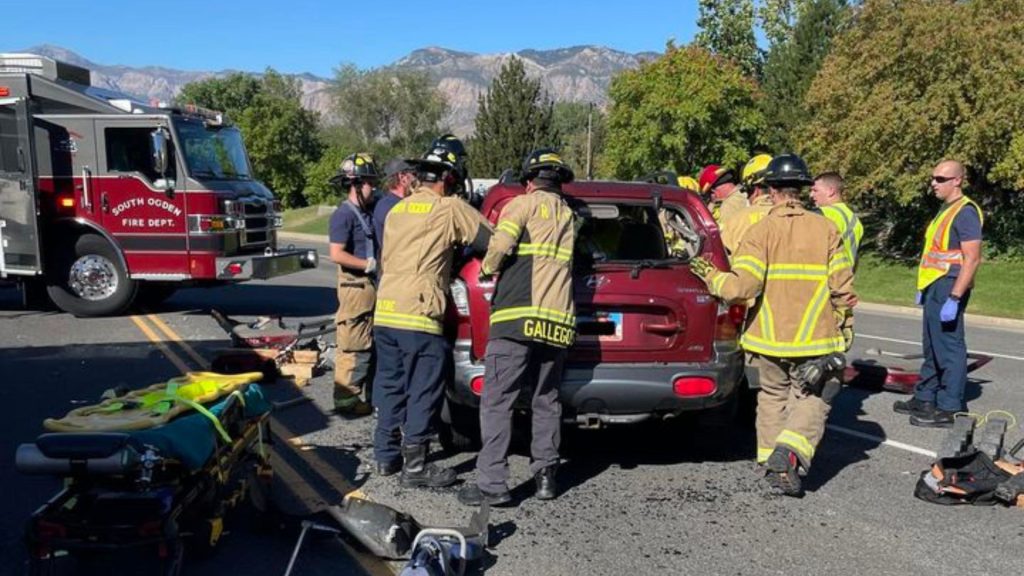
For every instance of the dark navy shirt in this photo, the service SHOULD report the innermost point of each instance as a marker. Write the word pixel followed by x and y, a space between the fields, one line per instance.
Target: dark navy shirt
pixel 966 227
pixel 346 230
pixel 380 213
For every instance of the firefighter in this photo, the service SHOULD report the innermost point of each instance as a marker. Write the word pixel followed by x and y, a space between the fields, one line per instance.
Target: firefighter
pixel 399 180
pixel 463 188
pixel 792 261
pixel 671 222
pixel 827 194
pixel 533 322
pixel 724 197
pixel 419 236
pixel 737 225
pixel 352 248
pixel 945 276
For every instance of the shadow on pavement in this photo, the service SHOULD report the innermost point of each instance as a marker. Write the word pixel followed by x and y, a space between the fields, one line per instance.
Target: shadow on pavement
pixel 40 382
pixel 255 299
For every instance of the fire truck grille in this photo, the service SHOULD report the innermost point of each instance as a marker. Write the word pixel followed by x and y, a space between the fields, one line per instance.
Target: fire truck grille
pixel 257 224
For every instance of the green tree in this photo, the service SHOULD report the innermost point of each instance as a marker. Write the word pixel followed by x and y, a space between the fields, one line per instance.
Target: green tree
pixel 231 94
pixel 912 83
pixel 682 111
pixel 395 111
pixel 570 121
pixel 797 51
pixel 280 135
pixel 727 29
pixel 515 116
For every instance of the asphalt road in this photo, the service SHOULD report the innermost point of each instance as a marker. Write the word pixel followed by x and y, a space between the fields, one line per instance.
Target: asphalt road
pixel 650 499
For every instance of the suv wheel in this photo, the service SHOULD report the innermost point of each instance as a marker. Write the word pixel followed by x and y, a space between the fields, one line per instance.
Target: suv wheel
pixel 460 430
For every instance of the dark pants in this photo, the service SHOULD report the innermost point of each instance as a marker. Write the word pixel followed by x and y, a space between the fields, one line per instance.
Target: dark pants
pixel 407 388
pixel 510 365
pixel 944 372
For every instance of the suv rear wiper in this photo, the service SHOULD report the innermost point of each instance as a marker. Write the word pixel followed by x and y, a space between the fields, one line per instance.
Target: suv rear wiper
pixel 634 272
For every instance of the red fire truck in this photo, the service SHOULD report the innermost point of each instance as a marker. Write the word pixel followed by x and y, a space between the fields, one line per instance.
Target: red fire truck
pixel 104 199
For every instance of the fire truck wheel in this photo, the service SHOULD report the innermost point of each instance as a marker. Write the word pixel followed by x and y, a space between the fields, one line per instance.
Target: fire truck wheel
pixel 89 280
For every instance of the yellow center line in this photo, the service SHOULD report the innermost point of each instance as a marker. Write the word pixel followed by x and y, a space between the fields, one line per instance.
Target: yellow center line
pixel 167 352
pixel 191 352
pixel 316 463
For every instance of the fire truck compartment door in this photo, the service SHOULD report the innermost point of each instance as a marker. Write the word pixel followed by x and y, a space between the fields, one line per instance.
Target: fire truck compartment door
pixel 19 227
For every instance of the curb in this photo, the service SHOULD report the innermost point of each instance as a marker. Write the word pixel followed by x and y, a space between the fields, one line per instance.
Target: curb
pixel 972 319
pixel 300 237
pixel 910 311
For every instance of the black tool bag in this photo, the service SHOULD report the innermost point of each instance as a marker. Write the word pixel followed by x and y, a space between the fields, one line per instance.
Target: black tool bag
pixel 969 478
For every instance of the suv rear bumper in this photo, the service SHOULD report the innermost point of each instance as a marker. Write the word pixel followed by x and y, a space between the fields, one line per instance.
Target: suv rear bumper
pixel 619 393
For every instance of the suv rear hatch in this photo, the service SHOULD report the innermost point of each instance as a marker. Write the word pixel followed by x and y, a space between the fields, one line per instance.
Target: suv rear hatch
pixel 635 303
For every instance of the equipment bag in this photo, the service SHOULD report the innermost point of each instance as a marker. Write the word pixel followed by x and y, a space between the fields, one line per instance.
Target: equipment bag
pixel 969 478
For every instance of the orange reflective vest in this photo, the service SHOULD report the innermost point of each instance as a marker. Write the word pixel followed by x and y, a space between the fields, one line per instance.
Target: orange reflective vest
pixel 937 258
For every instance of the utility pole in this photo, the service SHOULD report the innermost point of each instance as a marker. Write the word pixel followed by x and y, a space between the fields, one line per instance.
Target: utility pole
pixel 590 154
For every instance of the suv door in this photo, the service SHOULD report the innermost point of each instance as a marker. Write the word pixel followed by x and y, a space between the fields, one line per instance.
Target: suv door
pixel 148 222
pixel 19 227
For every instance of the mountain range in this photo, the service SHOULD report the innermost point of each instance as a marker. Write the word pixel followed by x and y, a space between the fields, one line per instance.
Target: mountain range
pixel 575 74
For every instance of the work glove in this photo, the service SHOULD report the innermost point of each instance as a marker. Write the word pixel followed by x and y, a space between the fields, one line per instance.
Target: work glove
pixel 371 265
pixel 702 267
pixel 485 276
pixel 919 299
pixel 949 310
pixel 848 338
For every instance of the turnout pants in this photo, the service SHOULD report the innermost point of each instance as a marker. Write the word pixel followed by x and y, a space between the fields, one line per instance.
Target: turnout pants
pixel 509 366
pixel 944 371
pixel 353 358
pixel 787 415
pixel 407 388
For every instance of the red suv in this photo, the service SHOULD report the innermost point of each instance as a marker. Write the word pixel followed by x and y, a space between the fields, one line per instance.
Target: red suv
pixel 652 342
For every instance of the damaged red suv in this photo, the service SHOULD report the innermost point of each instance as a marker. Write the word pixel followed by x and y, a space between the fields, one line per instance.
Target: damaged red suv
pixel 652 342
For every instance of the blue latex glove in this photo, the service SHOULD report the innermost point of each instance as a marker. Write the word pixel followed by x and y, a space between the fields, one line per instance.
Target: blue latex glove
pixel 949 310
pixel 919 299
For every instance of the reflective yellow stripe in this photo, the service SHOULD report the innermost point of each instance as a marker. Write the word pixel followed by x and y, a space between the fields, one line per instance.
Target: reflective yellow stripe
pixel 746 267
pixel 811 272
pixel 763 454
pixel 766 321
pixel 548 250
pixel 406 321
pixel 751 264
pixel 839 261
pixel 716 283
pixel 798 443
pixel 812 313
pixel 507 314
pixel 510 227
pixel 777 349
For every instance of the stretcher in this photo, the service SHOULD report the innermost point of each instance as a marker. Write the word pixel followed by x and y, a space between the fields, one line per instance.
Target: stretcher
pixel 896 372
pixel 136 495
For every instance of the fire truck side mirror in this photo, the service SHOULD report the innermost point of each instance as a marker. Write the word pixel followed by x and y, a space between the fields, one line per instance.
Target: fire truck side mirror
pixel 158 148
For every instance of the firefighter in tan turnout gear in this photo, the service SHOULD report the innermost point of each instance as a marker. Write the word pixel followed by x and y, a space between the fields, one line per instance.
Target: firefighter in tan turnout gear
pixel 737 225
pixel 420 235
pixel 794 263
pixel 533 322
pixel 352 248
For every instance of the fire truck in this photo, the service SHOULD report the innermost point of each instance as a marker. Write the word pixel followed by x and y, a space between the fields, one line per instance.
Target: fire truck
pixel 105 200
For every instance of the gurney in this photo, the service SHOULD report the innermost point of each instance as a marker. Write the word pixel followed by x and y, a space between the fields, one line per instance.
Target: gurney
pixel 151 477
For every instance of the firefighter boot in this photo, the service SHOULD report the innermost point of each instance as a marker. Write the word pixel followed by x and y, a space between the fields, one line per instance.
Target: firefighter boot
pixel 417 473
pixel 547 486
pixel 783 472
pixel 472 495
pixel 913 407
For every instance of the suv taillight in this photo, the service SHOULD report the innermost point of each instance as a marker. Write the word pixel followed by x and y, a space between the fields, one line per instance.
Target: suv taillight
pixel 730 321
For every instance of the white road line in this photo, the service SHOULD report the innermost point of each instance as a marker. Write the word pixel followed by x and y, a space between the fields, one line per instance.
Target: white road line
pixel 872 438
pixel 918 343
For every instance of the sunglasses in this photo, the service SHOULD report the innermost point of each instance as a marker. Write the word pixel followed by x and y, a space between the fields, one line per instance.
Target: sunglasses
pixel 943 179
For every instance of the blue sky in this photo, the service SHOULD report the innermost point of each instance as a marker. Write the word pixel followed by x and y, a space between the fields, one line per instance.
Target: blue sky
pixel 306 36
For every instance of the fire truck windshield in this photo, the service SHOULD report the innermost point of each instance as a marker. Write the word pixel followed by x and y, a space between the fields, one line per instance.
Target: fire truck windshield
pixel 213 153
